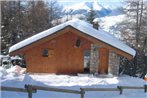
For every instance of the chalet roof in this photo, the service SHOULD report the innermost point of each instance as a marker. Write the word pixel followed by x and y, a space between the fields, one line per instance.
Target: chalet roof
pixel 82 26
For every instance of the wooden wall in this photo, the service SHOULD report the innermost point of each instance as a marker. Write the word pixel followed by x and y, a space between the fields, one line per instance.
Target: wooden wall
pixel 64 57
pixel 103 60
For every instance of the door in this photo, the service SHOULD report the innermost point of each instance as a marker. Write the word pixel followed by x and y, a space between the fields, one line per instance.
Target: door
pixel 103 61
pixel 86 60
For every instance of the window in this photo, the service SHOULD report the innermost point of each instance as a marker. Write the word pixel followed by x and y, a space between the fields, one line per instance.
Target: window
pixel 45 53
pixel 48 53
pixel 78 43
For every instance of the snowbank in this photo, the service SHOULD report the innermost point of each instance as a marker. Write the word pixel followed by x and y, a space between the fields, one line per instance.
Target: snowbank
pixel 13 79
pixel 16 69
pixel 3 72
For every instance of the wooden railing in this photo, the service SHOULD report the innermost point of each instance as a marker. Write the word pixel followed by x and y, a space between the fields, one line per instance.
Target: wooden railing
pixel 83 90
pixel 25 90
pixel 131 87
pixel 30 89
pixel 3 88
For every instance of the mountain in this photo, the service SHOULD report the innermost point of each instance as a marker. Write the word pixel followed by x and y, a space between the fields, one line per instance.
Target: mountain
pixel 109 14
pixel 84 7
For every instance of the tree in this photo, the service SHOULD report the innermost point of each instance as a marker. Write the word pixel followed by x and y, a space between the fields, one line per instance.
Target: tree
pixel 55 12
pixel 37 17
pixel 133 31
pixel 22 19
pixel 91 15
pixel 12 15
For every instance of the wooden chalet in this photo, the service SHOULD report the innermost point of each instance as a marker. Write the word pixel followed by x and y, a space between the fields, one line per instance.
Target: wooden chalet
pixel 61 49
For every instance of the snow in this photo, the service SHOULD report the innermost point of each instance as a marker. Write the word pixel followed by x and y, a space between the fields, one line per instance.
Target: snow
pixel 84 6
pixel 77 7
pixel 16 69
pixel 97 6
pixel 2 72
pixel 82 26
pixel 15 58
pixel 13 79
pixel 3 56
pixel 96 20
pixel 109 21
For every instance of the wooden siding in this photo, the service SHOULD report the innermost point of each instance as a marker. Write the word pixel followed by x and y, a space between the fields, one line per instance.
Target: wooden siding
pixel 65 57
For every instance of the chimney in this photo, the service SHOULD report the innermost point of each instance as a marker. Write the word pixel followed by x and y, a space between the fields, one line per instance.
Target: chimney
pixel 96 24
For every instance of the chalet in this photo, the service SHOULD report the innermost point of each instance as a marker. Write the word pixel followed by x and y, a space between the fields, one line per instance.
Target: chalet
pixel 63 48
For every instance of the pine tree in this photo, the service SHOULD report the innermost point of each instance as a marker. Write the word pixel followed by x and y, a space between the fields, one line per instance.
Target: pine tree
pixel 91 15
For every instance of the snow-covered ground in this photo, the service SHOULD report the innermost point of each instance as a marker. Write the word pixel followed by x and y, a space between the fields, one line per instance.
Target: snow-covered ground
pixel 14 78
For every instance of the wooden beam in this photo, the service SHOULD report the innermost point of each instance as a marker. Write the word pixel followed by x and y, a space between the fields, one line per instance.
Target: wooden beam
pixel 3 88
pixel 132 87
pixel 55 89
pixel 100 89
pixel 15 89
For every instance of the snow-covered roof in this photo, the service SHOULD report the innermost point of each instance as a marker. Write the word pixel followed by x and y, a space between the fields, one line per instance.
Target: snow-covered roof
pixel 96 20
pixel 82 26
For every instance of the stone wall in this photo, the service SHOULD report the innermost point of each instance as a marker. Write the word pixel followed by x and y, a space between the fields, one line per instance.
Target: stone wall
pixel 113 67
pixel 113 63
pixel 94 58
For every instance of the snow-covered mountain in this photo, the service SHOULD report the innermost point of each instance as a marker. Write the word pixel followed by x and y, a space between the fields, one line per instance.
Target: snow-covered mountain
pixel 109 14
pixel 84 7
pixel 110 23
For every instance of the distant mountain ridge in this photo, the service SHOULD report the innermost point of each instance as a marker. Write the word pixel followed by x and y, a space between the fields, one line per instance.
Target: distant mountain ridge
pixel 85 7
pixel 110 14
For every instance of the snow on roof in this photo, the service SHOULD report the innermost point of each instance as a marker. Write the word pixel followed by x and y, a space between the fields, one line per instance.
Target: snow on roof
pixel 82 26
pixel 96 20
